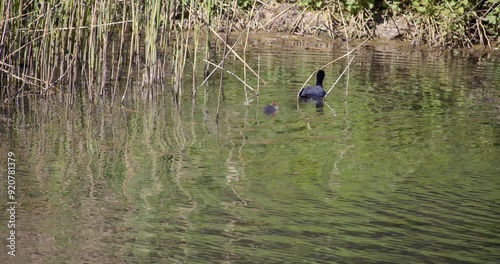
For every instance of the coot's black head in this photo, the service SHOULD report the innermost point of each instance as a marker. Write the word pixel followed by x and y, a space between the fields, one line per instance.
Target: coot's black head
pixel 319 77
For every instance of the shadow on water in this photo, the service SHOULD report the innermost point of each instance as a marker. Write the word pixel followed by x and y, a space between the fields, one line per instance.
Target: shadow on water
pixel 404 172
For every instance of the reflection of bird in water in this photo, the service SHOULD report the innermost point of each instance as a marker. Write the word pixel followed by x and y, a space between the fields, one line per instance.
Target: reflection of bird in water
pixel 315 92
pixel 271 109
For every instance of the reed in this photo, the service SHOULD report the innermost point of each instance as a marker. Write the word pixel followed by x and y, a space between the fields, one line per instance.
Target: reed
pixel 58 47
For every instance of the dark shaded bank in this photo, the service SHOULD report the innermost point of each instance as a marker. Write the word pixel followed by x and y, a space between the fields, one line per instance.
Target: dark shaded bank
pixel 53 47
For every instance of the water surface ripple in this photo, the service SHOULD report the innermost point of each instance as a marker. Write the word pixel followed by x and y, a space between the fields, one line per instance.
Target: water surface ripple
pixel 404 171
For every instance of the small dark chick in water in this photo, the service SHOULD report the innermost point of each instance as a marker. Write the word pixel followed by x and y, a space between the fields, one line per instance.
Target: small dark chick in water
pixel 315 92
pixel 271 109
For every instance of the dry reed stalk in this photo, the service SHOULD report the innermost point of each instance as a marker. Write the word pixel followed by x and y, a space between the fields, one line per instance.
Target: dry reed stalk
pixel 236 76
pixel 208 75
pixel 196 39
pixel 195 59
pixel 245 52
pixel 133 40
pixel 296 23
pixel 25 79
pixel 340 76
pixel 258 72
pixel 347 50
pixel 333 61
pixel 120 57
pixel 221 91
pixel 308 25
pixel 280 14
pixel 236 54
pixel 247 29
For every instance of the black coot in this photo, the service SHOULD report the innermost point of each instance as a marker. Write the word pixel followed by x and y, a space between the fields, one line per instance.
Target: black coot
pixel 314 92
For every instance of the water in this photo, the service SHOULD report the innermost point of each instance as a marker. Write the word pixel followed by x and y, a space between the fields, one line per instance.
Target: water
pixel 405 171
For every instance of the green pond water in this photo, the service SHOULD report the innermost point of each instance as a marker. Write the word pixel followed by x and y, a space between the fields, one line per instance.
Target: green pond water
pixel 407 170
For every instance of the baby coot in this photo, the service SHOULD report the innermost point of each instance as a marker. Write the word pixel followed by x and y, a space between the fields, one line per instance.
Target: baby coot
pixel 315 92
pixel 271 109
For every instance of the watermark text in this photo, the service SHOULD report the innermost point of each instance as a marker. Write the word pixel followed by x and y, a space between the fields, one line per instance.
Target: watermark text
pixel 11 203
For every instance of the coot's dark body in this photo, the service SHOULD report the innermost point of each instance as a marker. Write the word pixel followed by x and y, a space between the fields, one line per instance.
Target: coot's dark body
pixel 315 92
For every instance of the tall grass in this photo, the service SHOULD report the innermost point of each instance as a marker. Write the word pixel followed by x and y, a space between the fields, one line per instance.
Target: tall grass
pixel 58 47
